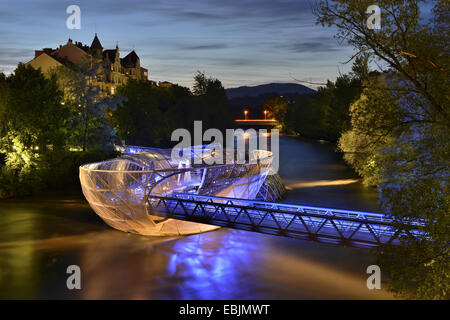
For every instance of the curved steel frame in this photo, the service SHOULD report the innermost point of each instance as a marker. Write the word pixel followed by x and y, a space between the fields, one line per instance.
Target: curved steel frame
pixel 118 190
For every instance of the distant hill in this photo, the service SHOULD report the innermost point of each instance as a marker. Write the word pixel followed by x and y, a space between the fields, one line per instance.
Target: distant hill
pixel 252 98
pixel 279 88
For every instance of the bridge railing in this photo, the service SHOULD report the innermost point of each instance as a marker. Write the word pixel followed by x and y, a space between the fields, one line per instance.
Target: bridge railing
pixel 348 227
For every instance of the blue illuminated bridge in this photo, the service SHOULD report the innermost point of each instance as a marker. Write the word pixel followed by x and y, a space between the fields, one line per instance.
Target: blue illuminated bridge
pixel 147 191
pixel 354 228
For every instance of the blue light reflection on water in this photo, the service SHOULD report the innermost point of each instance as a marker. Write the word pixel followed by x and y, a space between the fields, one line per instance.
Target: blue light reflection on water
pixel 223 264
pixel 210 270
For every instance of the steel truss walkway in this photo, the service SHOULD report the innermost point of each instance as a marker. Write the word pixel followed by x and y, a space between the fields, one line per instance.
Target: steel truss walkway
pixel 346 227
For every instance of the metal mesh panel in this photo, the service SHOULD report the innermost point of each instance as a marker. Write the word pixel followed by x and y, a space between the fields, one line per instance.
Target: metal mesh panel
pixel 120 190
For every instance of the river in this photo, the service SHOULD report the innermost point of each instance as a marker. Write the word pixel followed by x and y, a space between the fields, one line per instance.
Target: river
pixel 40 237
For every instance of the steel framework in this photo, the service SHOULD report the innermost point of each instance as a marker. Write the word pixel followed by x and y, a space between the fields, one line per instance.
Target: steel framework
pixel 347 227
pixel 118 190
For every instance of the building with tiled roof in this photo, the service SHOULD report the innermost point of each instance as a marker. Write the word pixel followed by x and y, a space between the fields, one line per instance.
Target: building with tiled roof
pixel 113 70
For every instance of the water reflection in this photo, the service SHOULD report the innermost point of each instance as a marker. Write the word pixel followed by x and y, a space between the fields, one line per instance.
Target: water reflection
pixel 203 266
pixel 224 264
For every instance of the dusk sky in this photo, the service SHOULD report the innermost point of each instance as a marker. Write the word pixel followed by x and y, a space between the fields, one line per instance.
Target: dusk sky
pixel 240 42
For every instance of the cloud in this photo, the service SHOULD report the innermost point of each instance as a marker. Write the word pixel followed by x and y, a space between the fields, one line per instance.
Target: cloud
pixel 9 58
pixel 315 46
pixel 240 40
pixel 205 47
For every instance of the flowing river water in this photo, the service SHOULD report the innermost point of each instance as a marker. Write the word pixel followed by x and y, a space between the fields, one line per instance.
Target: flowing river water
pixel 41 236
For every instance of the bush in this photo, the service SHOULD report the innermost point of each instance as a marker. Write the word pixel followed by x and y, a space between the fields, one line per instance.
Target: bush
pixel 53 171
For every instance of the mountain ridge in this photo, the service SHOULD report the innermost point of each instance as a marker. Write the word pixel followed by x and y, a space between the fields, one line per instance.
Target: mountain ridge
pixel 279 88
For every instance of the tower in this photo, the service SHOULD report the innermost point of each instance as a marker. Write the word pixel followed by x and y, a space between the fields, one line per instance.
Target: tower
pixel 96 47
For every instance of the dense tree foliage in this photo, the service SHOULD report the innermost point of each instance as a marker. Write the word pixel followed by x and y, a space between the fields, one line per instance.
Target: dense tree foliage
pixel 211 104
pixel 148 114
pixel 326 115
pixel 37 125
pixel 33 122
pixel 86 103
pixel 276 107
pixel 141 118
pixel 369 130
pixel 400 132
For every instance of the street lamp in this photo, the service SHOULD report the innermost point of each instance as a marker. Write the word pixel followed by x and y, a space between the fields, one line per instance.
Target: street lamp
pixel 265 114
pixel 245 114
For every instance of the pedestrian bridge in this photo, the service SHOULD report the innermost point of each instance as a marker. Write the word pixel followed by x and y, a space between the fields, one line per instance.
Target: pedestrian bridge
pixel 149 192
pixel 354 228
pixel 256 123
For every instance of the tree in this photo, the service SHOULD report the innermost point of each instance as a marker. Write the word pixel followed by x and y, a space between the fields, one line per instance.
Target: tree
pixel 400 131
pixel 326 115
pixel 138 120
pixel 4 95
pixel 336 100
pixel 361 69
pixel 405 43
pixel 84 98
pixel 213 107
pixel 277 107
pixel 33 122
pixel 372 116
pixel 34 108
pixel 147 114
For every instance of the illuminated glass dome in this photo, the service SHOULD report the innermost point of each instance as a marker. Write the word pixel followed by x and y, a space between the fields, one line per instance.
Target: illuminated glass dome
pixel 118 189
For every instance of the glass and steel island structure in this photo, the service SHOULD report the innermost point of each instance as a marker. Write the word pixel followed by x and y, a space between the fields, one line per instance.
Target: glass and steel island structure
pixel 120 190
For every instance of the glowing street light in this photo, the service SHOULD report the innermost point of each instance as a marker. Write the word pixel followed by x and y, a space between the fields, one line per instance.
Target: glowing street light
pixel 245 114
pixel 265 114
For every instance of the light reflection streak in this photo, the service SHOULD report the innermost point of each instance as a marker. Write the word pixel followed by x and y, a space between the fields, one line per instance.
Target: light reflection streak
pixel 321 183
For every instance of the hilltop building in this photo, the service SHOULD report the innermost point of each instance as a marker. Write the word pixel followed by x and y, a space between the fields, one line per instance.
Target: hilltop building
pixel 112 72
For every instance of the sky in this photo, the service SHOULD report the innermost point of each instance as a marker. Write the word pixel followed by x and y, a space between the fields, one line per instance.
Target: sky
pixel 240 42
